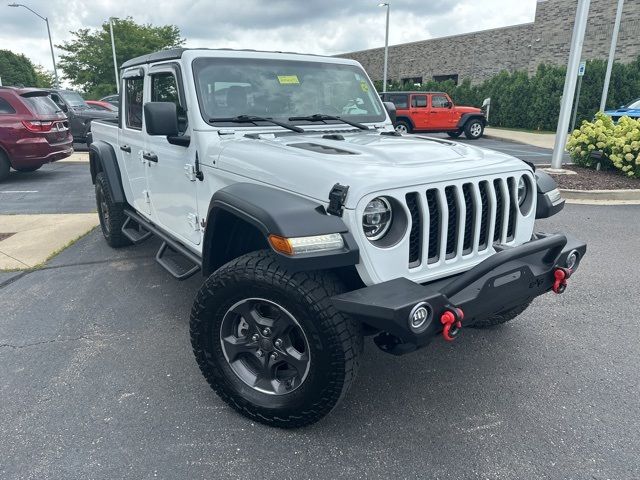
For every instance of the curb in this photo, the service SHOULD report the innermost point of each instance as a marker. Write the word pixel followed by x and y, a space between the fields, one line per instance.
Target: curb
pixel 602 197
pixel 533 143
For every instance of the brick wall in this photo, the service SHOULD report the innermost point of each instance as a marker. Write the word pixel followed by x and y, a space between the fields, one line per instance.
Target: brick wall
pixel 481 55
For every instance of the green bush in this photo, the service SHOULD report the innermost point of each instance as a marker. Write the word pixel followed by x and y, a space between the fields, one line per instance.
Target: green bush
pixel 619 144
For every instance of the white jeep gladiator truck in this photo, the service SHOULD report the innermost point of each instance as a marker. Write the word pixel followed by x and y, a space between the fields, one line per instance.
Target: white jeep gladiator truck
pixel 280 177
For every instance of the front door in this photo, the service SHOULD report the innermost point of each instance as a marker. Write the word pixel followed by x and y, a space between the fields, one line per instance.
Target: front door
pixel 419 112
pixel 131 139
pixel 440 113
pixel 171 179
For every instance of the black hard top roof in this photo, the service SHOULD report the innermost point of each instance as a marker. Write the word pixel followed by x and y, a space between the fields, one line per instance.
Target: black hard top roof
pixel 176 53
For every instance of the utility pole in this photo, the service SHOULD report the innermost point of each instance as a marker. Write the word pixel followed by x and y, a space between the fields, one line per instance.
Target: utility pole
pixel 612 54
pixel 577 40
pixel 386 48
pixel 113 50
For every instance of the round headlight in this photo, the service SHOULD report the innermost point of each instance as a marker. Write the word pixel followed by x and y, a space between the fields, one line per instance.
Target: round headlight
pixel 376 218
pixel 523 190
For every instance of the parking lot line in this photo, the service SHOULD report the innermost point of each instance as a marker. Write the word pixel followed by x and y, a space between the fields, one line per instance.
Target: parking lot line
pixel 18 191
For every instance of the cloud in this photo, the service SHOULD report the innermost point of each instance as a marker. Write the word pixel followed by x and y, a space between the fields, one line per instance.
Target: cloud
pixel 311 26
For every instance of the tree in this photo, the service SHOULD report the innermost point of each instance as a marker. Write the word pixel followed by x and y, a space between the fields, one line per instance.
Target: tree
pixel 44 78
pixel 16 70
pixel 88 61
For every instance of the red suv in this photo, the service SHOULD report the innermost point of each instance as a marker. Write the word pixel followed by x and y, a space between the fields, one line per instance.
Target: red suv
pixel 435 112
pixel 33 130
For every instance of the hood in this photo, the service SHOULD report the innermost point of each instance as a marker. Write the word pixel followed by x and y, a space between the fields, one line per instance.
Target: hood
pixel 468 109
pixel 311 164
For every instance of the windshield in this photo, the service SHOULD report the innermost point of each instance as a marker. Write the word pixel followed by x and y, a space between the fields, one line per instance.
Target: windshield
pixel 73 99
pixel 634 104
pixel 280 89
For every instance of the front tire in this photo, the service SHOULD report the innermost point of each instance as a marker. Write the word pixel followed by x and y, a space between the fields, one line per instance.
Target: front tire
pixel 271 344
pixel 502 317
pixel 403 127
pixel 473 129
pixel 111 215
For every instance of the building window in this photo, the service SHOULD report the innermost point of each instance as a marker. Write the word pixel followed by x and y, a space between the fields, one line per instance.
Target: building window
pixel 412 80
pixel 444 78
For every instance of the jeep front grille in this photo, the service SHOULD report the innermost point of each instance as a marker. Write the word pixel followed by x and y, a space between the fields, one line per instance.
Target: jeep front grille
pixel 458 220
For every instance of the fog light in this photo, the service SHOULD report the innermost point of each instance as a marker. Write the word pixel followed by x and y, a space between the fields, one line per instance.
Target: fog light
pixel 419 317
pixel 572 259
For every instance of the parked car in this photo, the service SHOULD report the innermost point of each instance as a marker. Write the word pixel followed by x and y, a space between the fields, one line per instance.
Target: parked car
pixel 631 110
pixel 112 99
pixel 102 106
pixel 280 178
pixel 435 112
pixel 79 113
pixel 33 131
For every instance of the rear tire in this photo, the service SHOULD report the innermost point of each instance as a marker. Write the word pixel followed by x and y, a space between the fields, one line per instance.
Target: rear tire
pixel 111 215
pixel 473 129
pixel 501 318
pixel 236 356
pixel 402 126
pixel 4 166
pixel 27 169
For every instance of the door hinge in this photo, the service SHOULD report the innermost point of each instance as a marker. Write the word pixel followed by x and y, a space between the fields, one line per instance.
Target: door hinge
pixel 192 218
pixel 337 196
pixel 147 197
pixel 190 172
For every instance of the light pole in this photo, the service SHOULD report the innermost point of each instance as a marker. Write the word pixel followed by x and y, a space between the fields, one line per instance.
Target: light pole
pixel 577 39
pixel 386 48
pixel 46 20
pixel 612 54
pixel 113 50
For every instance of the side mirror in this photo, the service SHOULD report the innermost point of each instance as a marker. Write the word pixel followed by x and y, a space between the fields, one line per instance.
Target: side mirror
pixel 391 110
pixel 161 118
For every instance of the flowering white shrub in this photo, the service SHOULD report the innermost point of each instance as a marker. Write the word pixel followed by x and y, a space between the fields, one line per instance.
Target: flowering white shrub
pixel 619 144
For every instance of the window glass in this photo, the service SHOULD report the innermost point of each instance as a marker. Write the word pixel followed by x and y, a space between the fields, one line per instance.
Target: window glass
pixel 400 101
pixel 5 107
pixel 280 89
pixel 439 101
pixel 73 98
pixel 635 104
pixel 419 101
pixel 41 104
pixel 164 88
pixel 133 102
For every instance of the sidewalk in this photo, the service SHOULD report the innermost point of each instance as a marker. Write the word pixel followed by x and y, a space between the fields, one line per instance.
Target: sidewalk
pixel 77 157
pixel 542 140
pixel 26 241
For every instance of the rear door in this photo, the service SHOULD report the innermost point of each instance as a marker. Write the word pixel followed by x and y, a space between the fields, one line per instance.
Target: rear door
pixel 131 141
pixel 440 112
pixel 171 179
pixel 419 111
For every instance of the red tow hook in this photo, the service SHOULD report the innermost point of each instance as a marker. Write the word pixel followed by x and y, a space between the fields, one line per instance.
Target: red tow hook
pixel 452 321
pixel 561 275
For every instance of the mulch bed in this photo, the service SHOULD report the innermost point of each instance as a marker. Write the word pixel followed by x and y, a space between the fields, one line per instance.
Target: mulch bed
pixel 4 236
pixel 589 179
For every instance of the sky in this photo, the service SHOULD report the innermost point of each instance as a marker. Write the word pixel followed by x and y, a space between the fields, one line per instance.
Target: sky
pixel 309 26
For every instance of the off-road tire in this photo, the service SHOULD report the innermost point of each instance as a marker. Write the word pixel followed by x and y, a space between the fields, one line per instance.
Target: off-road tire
pixel 473 129
pixel 27 169
pixel 501 318
pixel 4 166
pixel 455 134
pixel 111 215
pixel 335 340
pixel 403 126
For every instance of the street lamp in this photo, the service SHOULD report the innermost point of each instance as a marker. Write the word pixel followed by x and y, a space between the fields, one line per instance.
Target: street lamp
pixel 386 48
pixel 113 50
pixel 53 58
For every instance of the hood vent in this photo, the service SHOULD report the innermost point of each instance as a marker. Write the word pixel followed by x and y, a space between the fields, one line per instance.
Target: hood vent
pixel 316 147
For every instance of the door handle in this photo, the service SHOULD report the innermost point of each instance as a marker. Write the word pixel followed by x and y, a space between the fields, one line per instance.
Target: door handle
pixel 152 157
pixel 125 148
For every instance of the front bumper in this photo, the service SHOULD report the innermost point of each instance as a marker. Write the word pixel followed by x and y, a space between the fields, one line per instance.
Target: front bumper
pixel 507 279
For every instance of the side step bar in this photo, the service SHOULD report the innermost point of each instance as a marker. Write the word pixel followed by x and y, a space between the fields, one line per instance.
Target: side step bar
pixel 136 235
pixel 169 245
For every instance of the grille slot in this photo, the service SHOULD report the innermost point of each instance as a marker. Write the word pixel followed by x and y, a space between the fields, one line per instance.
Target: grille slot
pixel 484 216
pixel 497 186
pixel 513 204
pixel 469 218
pixel 415 236
pixel 450 195
pixel 434 225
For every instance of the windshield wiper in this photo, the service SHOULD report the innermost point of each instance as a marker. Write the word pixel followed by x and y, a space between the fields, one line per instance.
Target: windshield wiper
pixel 319 117
pixel 254 119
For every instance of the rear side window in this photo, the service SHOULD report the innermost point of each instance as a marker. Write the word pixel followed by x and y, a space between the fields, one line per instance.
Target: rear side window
pixel 133 88
pixel 41 104
pixel 400 101
pixel 5 108
pixel 419 101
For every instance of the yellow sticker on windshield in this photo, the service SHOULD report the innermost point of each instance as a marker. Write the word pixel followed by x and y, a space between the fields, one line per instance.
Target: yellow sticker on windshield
pixel 288 80
pixel 364 86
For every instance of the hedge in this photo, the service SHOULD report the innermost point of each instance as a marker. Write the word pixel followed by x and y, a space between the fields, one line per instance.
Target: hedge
pixel 533 102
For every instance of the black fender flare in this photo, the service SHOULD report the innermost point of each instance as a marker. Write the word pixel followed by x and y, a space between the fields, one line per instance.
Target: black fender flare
pixel 102 158
pixel 276 212
pixel 406 119
pixel 468 116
